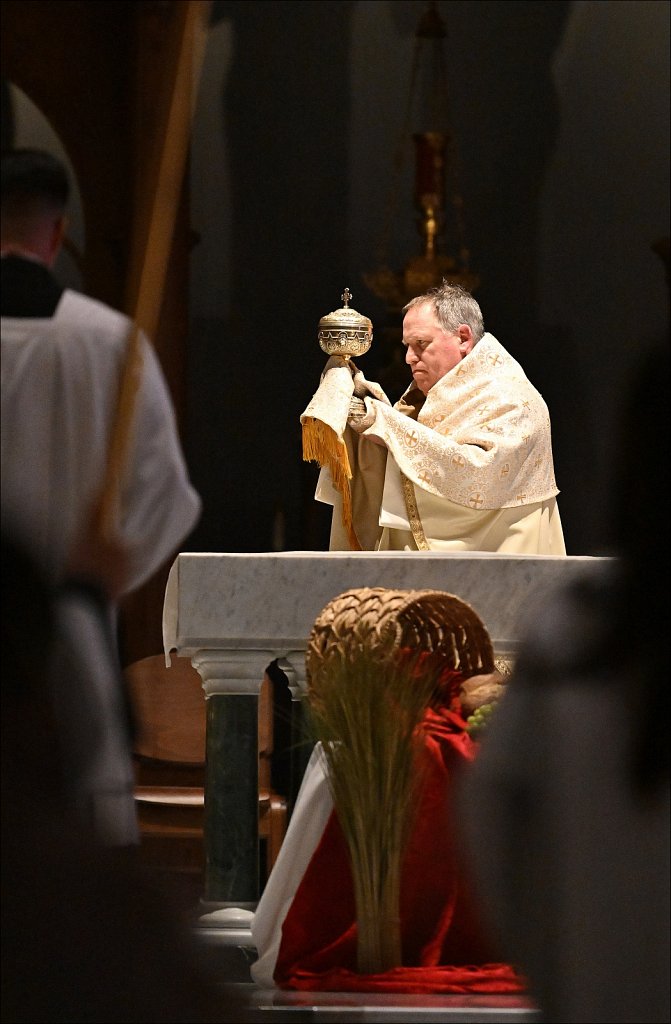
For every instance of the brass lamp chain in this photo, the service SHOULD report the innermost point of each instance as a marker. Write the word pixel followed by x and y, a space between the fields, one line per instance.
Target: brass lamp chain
pixel 403 146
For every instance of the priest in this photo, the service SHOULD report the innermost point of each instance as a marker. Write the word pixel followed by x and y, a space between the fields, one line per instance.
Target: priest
pixel 462 462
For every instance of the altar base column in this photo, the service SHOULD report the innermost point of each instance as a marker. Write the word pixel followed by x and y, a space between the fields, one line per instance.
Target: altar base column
pixel 232 682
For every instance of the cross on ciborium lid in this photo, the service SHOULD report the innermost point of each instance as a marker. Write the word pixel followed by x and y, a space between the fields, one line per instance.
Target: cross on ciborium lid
pixel 344 332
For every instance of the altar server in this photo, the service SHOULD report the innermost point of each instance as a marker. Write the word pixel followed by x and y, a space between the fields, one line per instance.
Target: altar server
pixel 62 360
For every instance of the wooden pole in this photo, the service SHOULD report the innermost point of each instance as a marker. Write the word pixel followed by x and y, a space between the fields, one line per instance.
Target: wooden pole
pixel 165 188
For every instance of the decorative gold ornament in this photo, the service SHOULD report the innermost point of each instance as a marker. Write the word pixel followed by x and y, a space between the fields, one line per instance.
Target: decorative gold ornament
pixel 436 161
pixel 344 332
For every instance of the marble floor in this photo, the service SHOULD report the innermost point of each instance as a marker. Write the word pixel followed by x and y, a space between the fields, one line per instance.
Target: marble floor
pixel 349 1008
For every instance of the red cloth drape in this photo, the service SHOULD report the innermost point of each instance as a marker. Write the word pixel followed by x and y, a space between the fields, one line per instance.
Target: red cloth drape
pixel 445 948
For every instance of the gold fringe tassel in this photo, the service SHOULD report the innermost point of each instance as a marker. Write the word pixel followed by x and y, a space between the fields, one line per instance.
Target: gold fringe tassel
pixel 322 445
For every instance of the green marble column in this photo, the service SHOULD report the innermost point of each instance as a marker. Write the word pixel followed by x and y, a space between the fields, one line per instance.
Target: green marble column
pixel 232 800
pixel 232 682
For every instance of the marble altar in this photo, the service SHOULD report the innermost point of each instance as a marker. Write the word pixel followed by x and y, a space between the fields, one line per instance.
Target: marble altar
pixel 233 614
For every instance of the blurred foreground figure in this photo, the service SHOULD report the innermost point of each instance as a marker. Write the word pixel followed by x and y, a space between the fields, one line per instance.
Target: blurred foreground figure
pixel 86 937
pixel 62 359
pixel 567 807
pixel 63 356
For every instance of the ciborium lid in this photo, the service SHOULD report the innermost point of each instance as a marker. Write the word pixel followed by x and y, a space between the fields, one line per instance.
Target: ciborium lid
pixel 344 332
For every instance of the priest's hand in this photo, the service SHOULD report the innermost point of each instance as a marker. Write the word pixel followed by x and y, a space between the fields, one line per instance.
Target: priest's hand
pixel 360 418
pixel 336 365
pixel 357 410
pixel 340 362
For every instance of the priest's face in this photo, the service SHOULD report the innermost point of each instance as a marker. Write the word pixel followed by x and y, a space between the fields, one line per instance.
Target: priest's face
pixel 432 351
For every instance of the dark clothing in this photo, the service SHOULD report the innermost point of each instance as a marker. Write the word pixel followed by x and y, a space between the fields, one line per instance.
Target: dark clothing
pixel 28 288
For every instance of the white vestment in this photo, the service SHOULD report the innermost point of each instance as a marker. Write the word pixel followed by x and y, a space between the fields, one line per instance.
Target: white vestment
pixel 470 470
pixel 311 813
pixel 93 720
pixel 60 384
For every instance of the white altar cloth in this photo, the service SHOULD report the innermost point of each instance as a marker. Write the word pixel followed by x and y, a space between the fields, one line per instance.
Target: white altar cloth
pixel 308 821
pixel 270 600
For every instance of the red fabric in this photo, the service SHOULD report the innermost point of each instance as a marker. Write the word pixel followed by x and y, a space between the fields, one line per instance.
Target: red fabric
pixel 444 946
pixel 486 978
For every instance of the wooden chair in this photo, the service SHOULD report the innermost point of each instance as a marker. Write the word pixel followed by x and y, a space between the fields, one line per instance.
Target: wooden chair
pixel 169 755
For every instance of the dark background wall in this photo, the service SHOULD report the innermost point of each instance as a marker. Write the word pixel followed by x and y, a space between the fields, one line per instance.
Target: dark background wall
pixel 560 113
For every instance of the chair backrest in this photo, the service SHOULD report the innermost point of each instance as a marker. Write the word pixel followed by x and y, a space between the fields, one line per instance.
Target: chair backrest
pixel 169 756
pixel 169 708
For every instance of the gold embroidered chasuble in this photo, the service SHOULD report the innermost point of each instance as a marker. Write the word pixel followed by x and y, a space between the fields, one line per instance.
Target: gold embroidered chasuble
pixel 482 436
pixel 470 467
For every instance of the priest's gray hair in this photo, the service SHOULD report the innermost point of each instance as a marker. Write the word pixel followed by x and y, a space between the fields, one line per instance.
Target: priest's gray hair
pixel 453 305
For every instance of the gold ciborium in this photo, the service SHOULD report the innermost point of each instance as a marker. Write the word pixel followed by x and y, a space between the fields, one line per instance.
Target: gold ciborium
pixel 344 332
